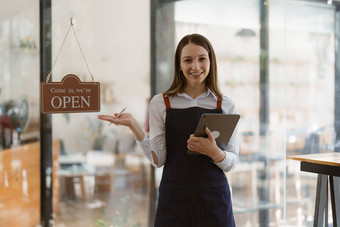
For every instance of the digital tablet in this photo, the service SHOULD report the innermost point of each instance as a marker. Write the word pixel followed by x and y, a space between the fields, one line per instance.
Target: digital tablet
pixel 222 127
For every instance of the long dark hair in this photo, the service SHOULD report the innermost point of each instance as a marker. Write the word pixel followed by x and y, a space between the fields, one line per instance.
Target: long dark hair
pixel 179 80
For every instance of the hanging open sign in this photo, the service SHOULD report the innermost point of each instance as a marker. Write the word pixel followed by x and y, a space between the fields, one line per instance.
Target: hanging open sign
pixel 69 96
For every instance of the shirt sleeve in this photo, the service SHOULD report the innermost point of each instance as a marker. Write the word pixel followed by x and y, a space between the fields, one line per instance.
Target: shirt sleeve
pixel 232 150
pixel 156 141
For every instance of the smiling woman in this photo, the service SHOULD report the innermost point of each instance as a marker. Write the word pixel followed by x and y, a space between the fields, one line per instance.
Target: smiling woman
pixel 174 116
pixel 195 59
pixel 195 66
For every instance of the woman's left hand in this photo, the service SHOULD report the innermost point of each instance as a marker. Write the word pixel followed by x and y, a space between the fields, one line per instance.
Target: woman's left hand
pixel 206 146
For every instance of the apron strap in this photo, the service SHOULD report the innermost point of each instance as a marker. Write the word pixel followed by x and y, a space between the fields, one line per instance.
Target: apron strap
pixel 166 101
pixel 219 103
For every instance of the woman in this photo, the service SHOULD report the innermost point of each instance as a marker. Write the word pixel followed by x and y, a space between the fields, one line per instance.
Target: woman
pixel 194 190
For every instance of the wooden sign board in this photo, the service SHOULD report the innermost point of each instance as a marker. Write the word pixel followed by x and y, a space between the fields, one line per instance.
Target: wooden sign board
pixel 69 96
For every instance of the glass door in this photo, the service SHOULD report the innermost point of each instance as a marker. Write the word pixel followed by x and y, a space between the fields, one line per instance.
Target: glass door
pixel 103 175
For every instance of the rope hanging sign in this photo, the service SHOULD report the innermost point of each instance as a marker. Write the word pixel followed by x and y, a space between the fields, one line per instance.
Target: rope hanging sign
pixel 70 95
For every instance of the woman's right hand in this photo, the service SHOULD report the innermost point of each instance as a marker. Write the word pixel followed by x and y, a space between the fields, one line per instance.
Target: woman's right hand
pixel 125 119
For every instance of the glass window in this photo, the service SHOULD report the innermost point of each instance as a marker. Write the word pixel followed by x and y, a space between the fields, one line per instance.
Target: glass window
pixel 298 79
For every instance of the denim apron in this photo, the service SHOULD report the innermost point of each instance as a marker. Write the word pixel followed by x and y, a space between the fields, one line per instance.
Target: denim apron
pixel 193 191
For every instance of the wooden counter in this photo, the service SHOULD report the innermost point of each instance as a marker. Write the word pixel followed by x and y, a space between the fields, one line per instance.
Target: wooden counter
pixel 20 184
pixel 332 159
pixel 327 166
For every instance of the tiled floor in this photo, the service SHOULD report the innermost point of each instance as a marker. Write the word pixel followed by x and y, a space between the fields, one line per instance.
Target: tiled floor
pixel 105 196
pixel 124 210
pixel 125 202
pixel 117 207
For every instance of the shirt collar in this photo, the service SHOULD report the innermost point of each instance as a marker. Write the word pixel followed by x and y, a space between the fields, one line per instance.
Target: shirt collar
pixel 203 95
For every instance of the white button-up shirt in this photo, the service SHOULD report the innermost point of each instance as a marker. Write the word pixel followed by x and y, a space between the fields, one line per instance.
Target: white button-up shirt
pixel 157 114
